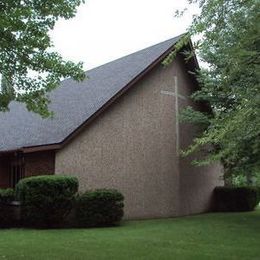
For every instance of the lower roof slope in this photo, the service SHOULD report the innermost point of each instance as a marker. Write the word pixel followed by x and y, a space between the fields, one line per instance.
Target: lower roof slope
pixel 73 103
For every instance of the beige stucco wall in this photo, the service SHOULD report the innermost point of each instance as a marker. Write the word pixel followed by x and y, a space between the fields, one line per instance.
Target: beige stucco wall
pixel 196 183
pixel 132 147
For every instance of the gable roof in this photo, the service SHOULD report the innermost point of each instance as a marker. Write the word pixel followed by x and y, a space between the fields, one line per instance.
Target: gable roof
pixel 76 103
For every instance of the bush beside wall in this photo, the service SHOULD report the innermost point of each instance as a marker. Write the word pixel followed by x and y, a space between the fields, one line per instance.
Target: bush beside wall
pixel 7 218
pixel 46 200
pixel 102 207
pixel 236 198
pixel 6 196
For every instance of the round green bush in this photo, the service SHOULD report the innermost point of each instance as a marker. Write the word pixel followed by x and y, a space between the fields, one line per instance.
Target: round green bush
pixel 46 200
pixel 103 207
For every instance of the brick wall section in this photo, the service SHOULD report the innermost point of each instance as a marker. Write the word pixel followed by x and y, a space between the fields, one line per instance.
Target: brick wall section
pixel 4 178
pixel 39 163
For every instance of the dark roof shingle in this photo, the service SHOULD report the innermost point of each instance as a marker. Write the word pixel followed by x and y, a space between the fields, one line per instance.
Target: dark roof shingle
pixel 73 103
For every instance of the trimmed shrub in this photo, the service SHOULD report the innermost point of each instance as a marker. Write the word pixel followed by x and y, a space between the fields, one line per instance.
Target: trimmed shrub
pixel 46 200
pixel 6 212
pixel 6 196
pixel 236 198
pixel 99 208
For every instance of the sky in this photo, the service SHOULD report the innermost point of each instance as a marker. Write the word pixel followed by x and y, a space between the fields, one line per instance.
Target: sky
pixel 104 30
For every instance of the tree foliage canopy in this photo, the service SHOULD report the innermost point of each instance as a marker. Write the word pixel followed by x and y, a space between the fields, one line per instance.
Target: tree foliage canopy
pixel 28 66
pixel 229 43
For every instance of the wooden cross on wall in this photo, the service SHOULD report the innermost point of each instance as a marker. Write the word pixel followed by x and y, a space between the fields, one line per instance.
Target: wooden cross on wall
pixel 177 96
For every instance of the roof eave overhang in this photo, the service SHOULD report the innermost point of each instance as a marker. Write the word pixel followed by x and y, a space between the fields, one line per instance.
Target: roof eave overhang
pixel 32 149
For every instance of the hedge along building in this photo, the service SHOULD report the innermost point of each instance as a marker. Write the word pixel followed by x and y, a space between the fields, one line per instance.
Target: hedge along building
pixel 117 129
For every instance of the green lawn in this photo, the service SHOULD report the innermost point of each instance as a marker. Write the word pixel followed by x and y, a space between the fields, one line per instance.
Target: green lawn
pixel 208 236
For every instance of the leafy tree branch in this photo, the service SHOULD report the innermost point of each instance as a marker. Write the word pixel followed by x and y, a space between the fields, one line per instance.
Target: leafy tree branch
pixel 229 44
pixel 28 66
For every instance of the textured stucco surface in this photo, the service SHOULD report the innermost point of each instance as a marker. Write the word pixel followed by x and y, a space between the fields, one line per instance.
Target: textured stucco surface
pixel 196 183
pixel 132 147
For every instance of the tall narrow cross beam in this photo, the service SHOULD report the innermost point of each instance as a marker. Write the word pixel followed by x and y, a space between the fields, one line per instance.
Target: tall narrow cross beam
pixel 177 96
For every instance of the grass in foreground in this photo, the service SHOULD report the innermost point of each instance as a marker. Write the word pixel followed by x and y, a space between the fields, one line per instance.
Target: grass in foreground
pixel 208 236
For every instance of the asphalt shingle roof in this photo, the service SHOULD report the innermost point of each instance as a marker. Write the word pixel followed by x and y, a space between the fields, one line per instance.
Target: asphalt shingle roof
pixel 73 103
